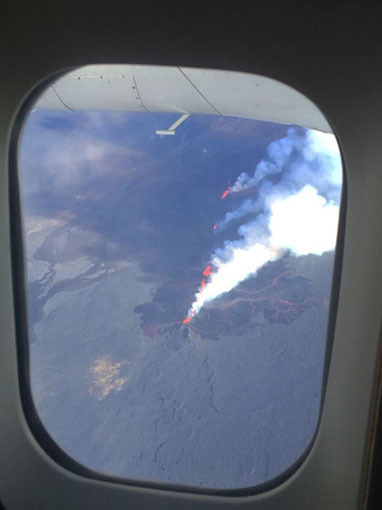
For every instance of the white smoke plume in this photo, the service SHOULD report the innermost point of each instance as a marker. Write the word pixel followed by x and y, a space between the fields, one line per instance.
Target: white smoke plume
pixel 247 207
pixel 295 207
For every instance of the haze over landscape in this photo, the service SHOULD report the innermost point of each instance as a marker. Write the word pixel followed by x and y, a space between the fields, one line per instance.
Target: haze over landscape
pixel 178 304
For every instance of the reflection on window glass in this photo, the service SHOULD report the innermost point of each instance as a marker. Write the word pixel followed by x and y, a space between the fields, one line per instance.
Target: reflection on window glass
pixel 178 290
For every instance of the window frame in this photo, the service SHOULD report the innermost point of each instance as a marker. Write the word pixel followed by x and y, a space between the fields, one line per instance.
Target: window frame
pixel 22 332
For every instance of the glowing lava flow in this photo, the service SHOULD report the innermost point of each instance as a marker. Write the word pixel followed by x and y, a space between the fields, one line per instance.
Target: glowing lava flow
pixel 207 270
pixel 226 192
pixel 187 319
pixel 203 283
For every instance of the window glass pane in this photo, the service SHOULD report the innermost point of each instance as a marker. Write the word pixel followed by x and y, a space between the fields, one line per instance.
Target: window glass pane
pixel 178 286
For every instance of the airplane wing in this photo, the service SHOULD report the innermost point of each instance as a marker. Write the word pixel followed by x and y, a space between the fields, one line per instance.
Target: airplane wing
pixel 181 90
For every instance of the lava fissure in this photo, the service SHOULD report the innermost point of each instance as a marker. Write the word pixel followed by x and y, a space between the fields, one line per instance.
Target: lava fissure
pixel 226 192
pixel 206 274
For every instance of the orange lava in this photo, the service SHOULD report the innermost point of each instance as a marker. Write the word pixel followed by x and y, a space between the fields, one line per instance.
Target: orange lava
pixel 188 318
pixel 203 283
pixel 207 271
pixel 226 192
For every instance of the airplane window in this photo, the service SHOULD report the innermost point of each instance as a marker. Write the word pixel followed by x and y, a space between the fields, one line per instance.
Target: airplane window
pixel 179 269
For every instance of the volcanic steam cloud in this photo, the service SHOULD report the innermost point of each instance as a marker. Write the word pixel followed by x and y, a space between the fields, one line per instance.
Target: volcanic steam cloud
pixel 293 207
